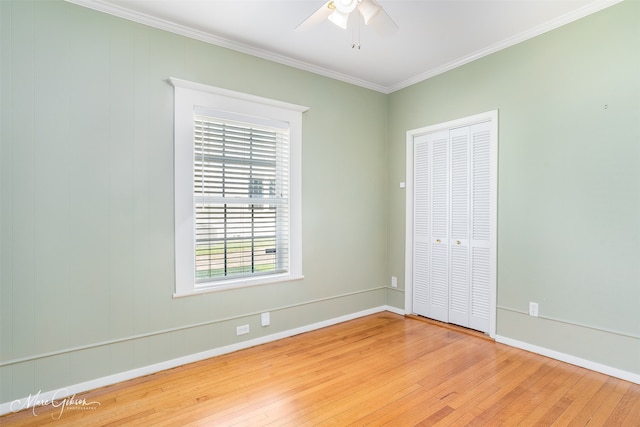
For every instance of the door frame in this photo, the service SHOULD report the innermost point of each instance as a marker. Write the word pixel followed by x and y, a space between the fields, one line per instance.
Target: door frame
pixel 489 116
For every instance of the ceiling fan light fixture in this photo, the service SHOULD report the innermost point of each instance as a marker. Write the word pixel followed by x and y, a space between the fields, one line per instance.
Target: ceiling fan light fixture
pixel 368 9
pixel 345 6
pixel 338 12
pixel 340 19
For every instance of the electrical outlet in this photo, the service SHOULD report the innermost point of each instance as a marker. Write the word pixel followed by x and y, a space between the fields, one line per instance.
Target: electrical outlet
pixel 241 330
pixel 265 319
pixel 394 282
pixel 533 309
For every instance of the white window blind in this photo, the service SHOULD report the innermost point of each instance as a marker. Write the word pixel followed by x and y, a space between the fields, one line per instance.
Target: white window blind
pixel 241 196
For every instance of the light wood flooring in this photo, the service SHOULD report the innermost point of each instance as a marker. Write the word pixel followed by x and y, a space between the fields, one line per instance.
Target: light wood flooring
pixel 382 369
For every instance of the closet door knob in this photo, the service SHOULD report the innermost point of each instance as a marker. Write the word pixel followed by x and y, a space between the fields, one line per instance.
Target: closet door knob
pixel 457 242
pixel 438 241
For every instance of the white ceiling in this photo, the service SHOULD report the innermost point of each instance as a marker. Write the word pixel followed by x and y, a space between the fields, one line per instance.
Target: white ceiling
pixel 434 35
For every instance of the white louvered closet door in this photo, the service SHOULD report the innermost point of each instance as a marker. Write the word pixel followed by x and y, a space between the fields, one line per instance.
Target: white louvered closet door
pixel 421 223
pixel 481 262
pixel 431 218
pixel 439 241
pixel 459 241
pixel 452 203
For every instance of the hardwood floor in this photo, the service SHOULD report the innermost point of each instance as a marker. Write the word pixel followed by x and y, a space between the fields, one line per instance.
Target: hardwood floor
pixel 382 369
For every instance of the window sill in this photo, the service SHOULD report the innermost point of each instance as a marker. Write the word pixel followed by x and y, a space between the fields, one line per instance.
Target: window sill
pixel 237 284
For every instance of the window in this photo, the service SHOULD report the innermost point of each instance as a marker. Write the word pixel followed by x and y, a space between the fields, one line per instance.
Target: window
pixel 237 189
pixel 241 193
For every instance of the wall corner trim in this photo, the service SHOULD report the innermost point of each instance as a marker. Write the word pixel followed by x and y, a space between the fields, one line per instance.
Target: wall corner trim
pixel 395 310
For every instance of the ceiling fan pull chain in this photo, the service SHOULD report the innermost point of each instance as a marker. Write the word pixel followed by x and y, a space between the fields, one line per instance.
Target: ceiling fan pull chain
pixel 355 28
pixel 353 37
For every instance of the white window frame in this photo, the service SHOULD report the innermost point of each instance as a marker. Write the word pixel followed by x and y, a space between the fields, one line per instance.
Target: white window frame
pixel 189 95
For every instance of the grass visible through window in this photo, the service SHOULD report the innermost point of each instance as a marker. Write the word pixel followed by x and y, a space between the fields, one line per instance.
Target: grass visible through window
pixel 240 259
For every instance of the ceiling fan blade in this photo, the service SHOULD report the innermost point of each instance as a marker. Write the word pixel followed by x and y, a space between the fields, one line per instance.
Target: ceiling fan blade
pixel 382 23
pixel 368 9
pixel 316 17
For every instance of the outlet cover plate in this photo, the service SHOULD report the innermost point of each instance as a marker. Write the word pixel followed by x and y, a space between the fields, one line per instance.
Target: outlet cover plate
pixel 265 319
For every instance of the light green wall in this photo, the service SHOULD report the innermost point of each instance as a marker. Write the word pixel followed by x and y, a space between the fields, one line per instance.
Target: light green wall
pixel 569 180
pixel 87 198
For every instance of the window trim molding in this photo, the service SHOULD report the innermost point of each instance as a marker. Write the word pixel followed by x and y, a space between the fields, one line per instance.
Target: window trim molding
pixel 187 95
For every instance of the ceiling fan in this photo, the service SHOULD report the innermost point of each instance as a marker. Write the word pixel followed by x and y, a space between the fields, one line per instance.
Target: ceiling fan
pixel 339 11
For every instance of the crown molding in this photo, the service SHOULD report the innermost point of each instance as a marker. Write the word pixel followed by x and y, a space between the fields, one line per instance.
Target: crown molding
pixel 210 38
pixel 512 41
pixel 141 18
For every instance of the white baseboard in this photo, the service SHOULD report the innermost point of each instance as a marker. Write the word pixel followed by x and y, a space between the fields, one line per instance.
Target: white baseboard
pixel 395 310
pixel 56 395
pixel 563 357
